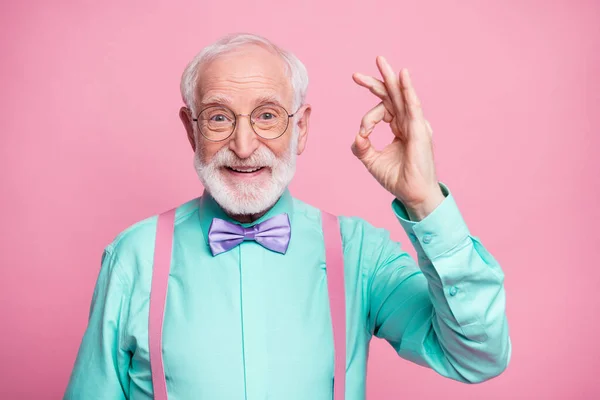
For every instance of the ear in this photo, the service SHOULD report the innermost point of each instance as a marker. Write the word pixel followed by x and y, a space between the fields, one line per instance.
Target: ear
pixel 303 122
pixel 185 116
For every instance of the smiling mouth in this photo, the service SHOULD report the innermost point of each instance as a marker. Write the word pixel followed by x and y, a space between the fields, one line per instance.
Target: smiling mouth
pixel 245 170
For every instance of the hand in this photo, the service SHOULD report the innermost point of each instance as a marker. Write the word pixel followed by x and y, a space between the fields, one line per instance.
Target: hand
pixel 405 167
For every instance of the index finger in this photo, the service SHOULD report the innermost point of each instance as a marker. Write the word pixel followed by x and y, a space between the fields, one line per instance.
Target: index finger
pixel 376 87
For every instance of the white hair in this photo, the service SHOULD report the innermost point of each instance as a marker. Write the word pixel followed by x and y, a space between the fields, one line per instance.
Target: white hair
pixel 295 70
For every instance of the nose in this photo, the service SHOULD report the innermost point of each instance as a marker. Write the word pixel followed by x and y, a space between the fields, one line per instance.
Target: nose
pixel 244 141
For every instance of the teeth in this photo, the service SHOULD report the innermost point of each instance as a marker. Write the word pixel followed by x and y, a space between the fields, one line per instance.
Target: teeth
pixel 245 170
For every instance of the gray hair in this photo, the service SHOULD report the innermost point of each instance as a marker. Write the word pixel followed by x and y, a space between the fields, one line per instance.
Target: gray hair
pixel 295 70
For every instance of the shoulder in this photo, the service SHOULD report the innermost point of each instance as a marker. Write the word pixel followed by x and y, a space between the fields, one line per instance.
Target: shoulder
pixel 132 249
pixel 306 212
pixel 355 231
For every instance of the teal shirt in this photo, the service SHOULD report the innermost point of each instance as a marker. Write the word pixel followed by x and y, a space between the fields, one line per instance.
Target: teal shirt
pixel 254 324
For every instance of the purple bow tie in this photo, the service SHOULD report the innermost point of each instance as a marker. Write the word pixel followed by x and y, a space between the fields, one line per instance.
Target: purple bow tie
pixel 273 234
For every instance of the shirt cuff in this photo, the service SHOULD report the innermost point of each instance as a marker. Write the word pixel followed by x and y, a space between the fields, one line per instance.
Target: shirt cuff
pixel 438 232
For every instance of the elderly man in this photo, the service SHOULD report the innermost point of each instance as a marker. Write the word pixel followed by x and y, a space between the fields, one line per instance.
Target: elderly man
pixel 249 309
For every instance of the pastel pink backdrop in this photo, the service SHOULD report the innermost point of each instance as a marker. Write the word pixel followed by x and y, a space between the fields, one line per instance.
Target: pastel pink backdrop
pixel 91 143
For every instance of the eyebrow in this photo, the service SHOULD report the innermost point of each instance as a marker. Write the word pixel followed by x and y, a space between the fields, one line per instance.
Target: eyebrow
pixel 267 99
pixel 220 99
pixel 216 99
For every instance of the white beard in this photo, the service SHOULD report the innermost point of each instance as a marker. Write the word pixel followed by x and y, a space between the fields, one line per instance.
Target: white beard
pixel 248 198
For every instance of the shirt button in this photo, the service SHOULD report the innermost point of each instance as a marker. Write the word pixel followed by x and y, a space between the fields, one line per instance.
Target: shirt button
pixel 453 290
pixel 427 239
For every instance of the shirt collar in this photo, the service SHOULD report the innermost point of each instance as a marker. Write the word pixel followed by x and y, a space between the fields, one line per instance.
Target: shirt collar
pixel 208 209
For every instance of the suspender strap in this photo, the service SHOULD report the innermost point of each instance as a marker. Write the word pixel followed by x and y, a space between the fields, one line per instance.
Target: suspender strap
pixel 158 297
pixel 334 258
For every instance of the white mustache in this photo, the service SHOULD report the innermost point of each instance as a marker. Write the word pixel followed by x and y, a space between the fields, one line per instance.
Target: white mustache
pixel 262 157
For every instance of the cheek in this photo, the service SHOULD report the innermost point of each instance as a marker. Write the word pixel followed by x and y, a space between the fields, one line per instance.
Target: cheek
pixel 207 150
pixel 279 146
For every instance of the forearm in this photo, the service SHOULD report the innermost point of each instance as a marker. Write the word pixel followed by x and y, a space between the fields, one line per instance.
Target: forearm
pixel 468 311
pixel 465 290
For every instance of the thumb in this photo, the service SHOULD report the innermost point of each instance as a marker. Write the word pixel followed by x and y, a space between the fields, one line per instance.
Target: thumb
pixel 363 149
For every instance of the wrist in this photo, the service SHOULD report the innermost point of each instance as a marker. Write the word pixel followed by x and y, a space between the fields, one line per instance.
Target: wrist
pixel 418 211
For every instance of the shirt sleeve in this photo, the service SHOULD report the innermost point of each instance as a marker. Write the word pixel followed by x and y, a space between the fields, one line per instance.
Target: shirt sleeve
pixel 101 367
pixel 447 313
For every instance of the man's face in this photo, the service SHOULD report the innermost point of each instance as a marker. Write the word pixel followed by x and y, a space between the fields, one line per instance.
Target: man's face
pixel 245 173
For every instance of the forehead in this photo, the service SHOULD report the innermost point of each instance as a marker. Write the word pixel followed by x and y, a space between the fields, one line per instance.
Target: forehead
pixel 243 75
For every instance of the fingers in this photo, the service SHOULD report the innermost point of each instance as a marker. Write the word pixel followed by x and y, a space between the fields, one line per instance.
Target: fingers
pixel 413 104
pixel 373 117
pixel 399 99
pixel 362 147
pixel 374 85
pixel 364 150
pixel 392 85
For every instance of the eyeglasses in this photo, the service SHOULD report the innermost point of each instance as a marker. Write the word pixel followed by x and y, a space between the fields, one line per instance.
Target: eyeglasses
pixel 217 123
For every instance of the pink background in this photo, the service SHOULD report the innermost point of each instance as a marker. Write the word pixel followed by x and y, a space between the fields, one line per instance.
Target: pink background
pixel 91 143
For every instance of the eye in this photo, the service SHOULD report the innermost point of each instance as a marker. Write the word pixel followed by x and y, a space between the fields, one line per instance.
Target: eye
pixel 266 116
pixel 218 118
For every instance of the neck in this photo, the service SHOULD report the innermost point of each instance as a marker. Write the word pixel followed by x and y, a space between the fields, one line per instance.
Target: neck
pixel 247 219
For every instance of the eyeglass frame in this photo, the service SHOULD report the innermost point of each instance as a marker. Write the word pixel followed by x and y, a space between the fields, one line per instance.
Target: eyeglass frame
pixel 235 116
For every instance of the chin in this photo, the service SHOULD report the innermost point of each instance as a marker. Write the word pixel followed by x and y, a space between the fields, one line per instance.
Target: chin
pixel 244 196
pixel 237 202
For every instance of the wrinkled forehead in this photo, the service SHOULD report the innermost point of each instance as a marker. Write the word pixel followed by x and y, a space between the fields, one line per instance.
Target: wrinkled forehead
pixel 250 74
